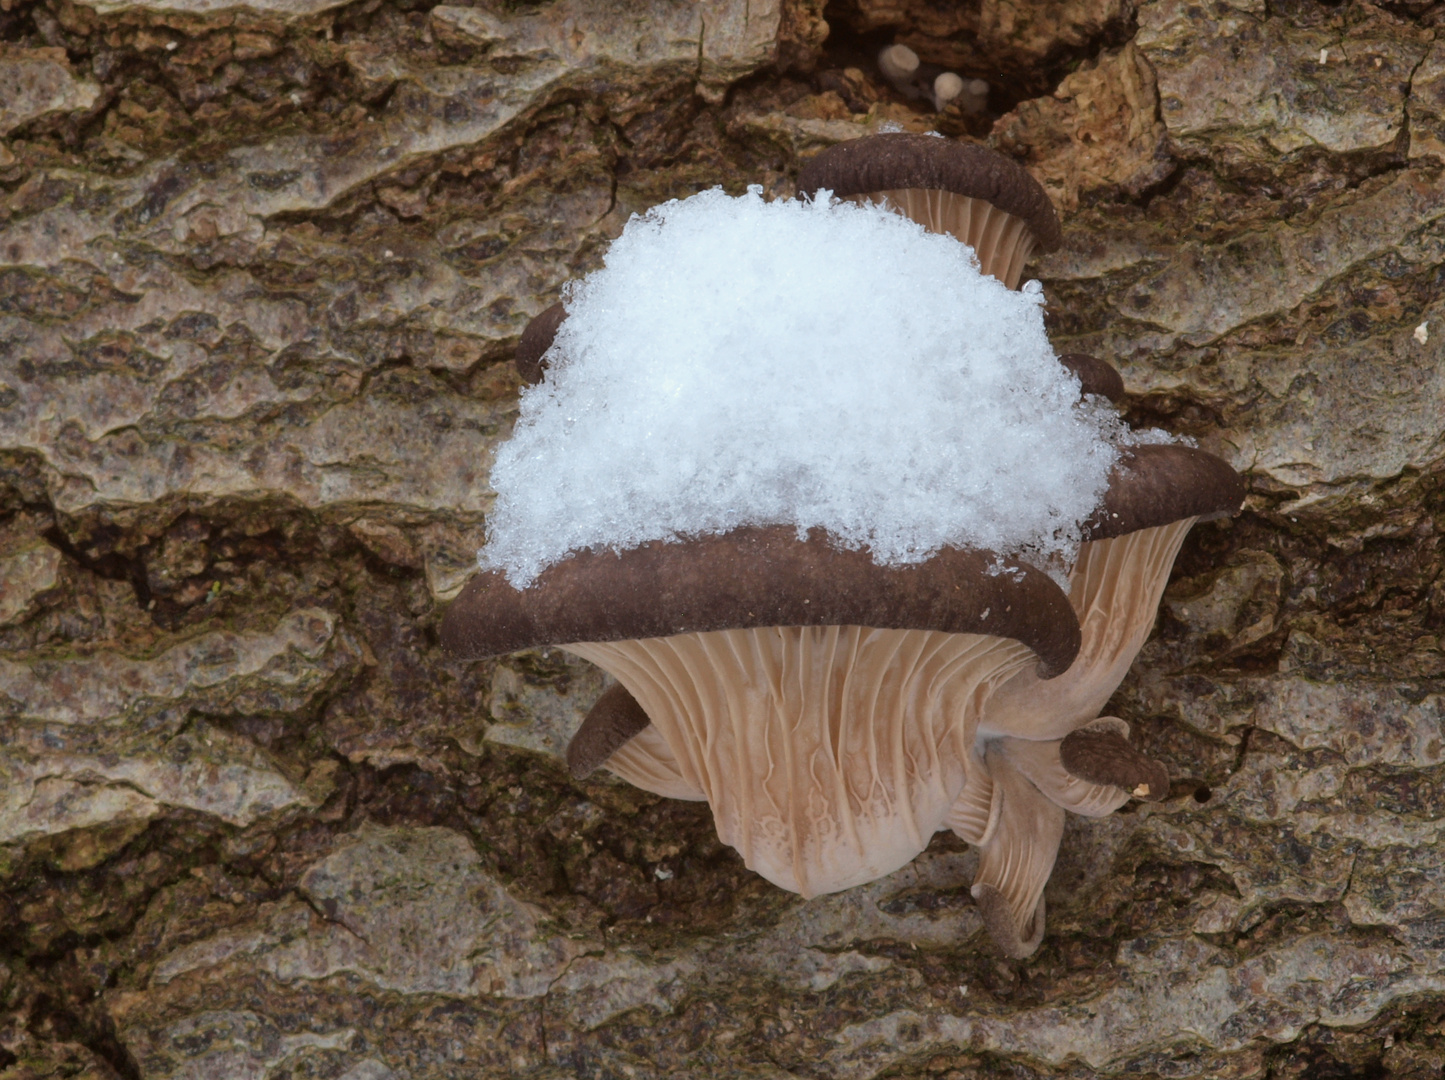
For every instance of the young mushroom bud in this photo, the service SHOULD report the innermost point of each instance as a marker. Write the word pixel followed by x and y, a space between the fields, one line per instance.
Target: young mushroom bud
pixel 946 88
pixel 899 64
pixel 1095 376
pixel 901 67
pixel 974 98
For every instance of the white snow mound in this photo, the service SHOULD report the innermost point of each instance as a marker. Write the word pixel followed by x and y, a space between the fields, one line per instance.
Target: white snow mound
pixel 744 362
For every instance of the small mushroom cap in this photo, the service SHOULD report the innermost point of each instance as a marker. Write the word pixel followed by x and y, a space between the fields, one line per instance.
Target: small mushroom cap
pixel 610 723
pixel 999 921
pixel 947 87
pixel 536 340
pixel 1042 764
pixel 753 577
pixel 1157 484
pixel 898 62
pixel 1100 755
pixel 897 161
pixel 1097 376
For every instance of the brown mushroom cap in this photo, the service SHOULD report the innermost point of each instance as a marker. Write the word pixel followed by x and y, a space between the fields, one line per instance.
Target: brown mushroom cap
pixel 1101 755
pixel 1162 483
pixel 752 577
pixel 1097 376
pixel 611 722
pixel 536 340
pixel 1155 495
pixel 897 161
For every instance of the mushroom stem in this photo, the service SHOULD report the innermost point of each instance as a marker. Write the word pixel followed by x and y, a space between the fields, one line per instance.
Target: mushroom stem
pixel 612 722
pixel 1099 754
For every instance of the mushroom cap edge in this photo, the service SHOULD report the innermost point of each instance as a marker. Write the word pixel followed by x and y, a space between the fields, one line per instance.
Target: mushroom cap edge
pixel 1160 483
pixel 759 577
pixel 903 160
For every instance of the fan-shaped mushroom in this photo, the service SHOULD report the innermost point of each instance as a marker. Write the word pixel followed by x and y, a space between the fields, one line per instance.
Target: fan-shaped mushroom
pixel 979 197
pixel 1040 737
pixel 834 712
pixel 1040 750
pixel 811 696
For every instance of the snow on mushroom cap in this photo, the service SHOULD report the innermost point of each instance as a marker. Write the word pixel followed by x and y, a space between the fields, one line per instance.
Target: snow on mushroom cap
pixel 743 362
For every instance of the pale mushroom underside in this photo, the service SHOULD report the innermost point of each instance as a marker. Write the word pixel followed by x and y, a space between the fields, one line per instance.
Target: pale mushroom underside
pixel 1114 588
pixel 1002 241
pixel 831 754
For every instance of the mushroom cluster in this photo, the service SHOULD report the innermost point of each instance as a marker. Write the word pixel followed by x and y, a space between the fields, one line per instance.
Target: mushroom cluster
pixel 902 68
pixel 836 713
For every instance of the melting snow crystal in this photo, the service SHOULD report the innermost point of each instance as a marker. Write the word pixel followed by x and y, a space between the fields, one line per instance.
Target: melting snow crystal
pixel 744 362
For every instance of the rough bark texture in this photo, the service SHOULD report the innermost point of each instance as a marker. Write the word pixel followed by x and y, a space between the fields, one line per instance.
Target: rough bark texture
pixel 261 264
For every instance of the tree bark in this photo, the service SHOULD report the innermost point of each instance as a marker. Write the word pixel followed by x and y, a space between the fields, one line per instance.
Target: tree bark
pixel 262 267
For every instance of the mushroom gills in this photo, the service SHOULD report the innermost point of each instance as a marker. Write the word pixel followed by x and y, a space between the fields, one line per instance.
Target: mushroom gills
pixel 1115 588
pixel 1002 241
pixel 1027 789
pixel 1028 781
pixel 1043 765
pixel 830 754
pixel 617 735
pixel 1016 861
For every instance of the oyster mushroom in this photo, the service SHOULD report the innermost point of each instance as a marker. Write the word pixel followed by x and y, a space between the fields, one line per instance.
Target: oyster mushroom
pixel 835 713
pixel 977 196
pixel 818 702
pixel 1041 747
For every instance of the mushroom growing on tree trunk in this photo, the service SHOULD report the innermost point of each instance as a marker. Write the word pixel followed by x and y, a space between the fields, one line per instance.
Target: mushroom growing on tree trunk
pixel 1041 745
pixel 821 704
pixel 967 191
pixel 835 712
